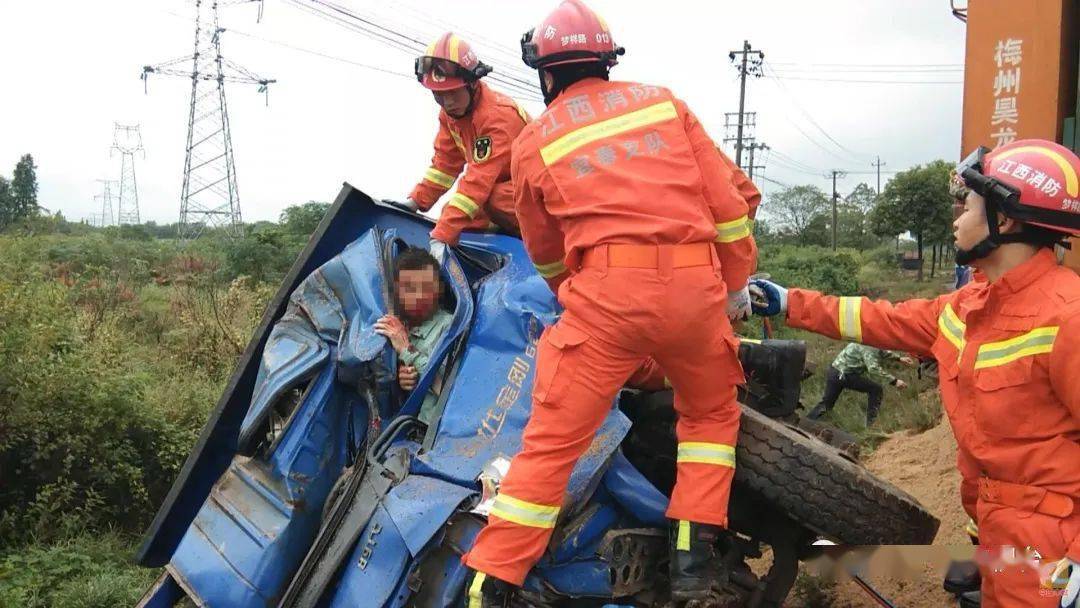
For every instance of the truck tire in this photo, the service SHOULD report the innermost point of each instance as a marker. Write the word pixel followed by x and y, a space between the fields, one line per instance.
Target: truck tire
pixel 825 492
pixel 838 438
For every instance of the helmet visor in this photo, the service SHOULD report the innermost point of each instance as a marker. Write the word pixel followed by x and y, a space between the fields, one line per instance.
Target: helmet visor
pixel 529 51
pixel 970 171
pixel 439 69
pixel 973 162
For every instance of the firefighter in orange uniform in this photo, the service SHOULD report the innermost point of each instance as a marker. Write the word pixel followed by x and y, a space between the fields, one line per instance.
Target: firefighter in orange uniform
pixel 629 211
pixel 1009 364
pixel 476 128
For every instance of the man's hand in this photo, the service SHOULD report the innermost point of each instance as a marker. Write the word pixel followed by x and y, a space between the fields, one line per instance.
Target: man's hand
pixel 1071 597
pixel 738 305
pixel 767 298
pixel 900 384
pixel 394 330
pixel 438 250
pixel 407 377
pixel 909 361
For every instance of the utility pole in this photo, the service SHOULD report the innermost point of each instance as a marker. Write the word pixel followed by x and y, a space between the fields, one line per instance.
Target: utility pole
pixel 127 140
pixel 739 132
pixel 752 166
pixel 749 64
pixel 835 197
pixel 209 194
pixel 878 164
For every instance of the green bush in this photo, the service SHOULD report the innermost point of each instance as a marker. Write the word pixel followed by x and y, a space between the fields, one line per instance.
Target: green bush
pixel 264 254
pixel 108 376
pixel 819 268
pixel 75 435
pixel 87 571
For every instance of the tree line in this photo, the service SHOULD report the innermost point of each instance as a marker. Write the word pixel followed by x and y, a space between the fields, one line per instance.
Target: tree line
pixel 915 201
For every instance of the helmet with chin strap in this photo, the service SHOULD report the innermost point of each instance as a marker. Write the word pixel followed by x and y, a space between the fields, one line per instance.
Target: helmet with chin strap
pixel 1033 181
pixel 449 63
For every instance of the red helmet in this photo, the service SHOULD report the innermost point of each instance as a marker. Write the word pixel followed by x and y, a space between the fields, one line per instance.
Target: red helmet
pixel 448 63
pixel 1033 181
pixel 572 33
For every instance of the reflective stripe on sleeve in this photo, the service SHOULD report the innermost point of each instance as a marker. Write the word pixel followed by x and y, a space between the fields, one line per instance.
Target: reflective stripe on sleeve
pixel 850 318
pixel 729 232
pixel 465 204
pixel 437 177
pixel 952 327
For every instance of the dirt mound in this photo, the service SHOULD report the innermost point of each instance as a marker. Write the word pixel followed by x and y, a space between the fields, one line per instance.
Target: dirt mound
pixel 924 465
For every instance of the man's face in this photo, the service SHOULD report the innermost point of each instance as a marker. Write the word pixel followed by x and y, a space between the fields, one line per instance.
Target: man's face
pixel 455 101
pixel 970 225
pixel 418 293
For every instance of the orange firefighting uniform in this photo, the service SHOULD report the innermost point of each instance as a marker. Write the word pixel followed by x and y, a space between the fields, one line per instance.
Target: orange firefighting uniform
pixel 481 140
pixel 650 376
pixel 630 213
pixel 1009 372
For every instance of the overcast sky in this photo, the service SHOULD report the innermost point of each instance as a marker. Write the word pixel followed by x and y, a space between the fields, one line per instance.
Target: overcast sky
pixel 71 69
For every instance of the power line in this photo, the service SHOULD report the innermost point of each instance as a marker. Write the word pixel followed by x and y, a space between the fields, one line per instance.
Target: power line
pixel 854 81
pixel 510 54
pixel 324 55
pixel 775 182
pixel 408 45
pixel 870 65
pixel 796 163
pixel 791 97
pixel 866 71
pixel 405 43
pixel 779 162
pixel 529 94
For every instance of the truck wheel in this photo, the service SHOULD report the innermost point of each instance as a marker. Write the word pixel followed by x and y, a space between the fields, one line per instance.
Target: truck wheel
pixel 826 492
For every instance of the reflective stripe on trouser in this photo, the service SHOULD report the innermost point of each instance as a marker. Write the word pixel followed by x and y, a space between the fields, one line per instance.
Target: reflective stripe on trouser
pixel 1001 527
pixel 614 319
pixel 972 529
pixel 476 593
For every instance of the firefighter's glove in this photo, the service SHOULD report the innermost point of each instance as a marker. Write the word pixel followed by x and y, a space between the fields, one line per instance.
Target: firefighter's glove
pixel 738 305
pixel 1070 599
pixel 767 298
pixel 438 249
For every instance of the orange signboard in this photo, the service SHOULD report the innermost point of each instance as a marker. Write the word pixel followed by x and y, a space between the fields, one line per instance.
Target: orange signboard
pixel 1020 75
pixel 1020 71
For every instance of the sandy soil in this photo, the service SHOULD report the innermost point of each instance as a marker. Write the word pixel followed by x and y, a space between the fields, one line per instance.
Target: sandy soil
pixel 924 465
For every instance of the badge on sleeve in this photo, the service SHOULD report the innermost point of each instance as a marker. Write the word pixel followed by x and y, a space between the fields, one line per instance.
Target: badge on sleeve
pixel 482 149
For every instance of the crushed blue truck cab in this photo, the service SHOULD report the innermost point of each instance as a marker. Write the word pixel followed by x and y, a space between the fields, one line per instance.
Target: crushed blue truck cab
pixel 313 484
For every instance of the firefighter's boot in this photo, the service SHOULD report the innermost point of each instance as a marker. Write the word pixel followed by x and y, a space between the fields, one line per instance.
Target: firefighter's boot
pixel 971 599
pixel 962 577
pixel 483 591
pixel 696 561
